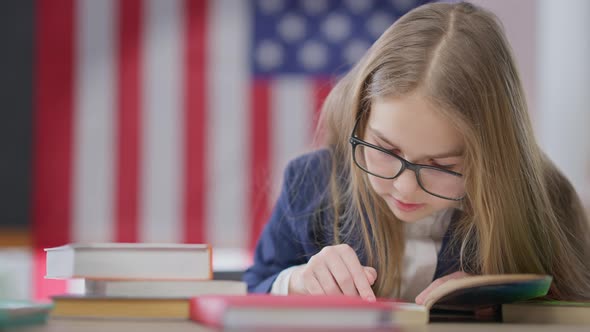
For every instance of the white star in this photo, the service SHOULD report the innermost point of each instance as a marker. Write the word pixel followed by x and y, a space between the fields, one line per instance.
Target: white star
pixel 313 55
pixel 378 23
pixel 291 27
pixel 355 50
pixel 336 27
pixel 269 55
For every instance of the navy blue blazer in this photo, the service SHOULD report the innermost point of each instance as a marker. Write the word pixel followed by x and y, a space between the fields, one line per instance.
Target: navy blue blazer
pixel 291 236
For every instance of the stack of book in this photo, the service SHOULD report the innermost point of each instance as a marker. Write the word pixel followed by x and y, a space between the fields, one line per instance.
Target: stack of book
pixel 472 298
pixel 135 280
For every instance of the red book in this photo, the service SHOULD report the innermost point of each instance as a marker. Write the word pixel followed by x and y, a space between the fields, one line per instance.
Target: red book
pixel 291 311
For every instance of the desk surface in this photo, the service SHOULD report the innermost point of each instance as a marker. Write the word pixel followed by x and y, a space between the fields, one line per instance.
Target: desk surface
pixel 71 325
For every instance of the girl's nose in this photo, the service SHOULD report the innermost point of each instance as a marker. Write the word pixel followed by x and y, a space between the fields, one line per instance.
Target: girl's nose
pixel 406 183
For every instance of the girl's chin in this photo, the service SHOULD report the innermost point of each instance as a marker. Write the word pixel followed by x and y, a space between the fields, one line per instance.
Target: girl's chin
pixel 406 219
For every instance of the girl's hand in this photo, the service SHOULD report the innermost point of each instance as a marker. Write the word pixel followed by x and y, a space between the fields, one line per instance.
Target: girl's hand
pixel 435 284
pixel 335 270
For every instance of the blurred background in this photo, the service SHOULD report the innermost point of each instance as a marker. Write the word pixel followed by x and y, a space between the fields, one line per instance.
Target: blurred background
pixel 172 120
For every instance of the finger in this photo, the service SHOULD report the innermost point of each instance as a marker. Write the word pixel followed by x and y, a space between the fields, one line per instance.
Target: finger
pixel 435 284
pixel 371 274
pixel 326 280
pixel 343 277
pixel 355 268
pixel 370 271
pixel 313 287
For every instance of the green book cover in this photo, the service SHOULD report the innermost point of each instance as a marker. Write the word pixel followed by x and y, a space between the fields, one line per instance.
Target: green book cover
pixel 17 313
pixel 547 312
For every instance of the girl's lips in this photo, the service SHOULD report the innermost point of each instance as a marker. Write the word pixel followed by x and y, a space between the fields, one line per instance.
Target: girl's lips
pixel 407 207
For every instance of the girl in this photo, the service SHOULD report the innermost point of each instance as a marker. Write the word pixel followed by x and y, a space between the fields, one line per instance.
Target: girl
pixel 430 171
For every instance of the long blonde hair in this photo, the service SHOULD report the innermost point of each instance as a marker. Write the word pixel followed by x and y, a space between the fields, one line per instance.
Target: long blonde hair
pixel 520 215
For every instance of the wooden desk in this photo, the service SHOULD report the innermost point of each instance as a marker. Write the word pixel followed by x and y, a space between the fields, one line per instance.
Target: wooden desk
pixel 70 325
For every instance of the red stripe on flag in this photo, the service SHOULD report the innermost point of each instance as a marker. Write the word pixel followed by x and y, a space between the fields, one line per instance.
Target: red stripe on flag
pixel 53 117
pixel 260 120
pixel 53 107
pixel 321 88
pixel 128 131
pixel 195 130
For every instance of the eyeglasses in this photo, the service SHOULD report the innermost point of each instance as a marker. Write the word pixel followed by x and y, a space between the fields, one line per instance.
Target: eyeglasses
pixel 379 162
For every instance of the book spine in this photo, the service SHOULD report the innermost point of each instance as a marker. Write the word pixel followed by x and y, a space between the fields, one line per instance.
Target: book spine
pixel 94 287
pixel 208 314
pixel 210 250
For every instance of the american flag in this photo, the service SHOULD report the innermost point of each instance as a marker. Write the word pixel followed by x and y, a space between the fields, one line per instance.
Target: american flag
pixel 172 120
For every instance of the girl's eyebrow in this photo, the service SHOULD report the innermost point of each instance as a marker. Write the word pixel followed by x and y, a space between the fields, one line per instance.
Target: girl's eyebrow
pixel 449 154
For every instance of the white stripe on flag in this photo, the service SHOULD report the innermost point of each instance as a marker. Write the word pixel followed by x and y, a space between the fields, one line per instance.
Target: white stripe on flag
pixel 16 274
pixel 292 103
pixel 162 139
pixel 94 93
pixel 228 144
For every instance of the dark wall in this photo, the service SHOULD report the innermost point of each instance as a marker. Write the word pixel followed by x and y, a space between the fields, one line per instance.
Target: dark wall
pixel 16 87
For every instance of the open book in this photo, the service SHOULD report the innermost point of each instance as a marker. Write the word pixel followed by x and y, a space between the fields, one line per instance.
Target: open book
pixel 465 295
pixel 482 291
pixel 463 298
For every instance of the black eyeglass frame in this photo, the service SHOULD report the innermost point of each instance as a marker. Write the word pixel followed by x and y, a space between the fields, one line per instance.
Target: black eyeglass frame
pixel 355 141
